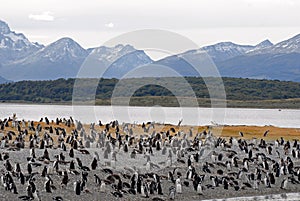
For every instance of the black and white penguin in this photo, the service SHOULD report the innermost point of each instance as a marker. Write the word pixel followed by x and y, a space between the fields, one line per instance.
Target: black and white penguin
pixel 8 166
pixel 199 189
pixel 190 173
pixel 94 164
pixel 225 184
pixel 17 168
pixel 71 153
pixel 178 185
pixel 159 189
pixel 267 182
pixel 139 185
pixel 77 185
pixel 22 178
pixel 44 171
pixel 47 185
pixel 97 179
pixel 65 179
pixel 172 192
pixel 29 192
pixel 272 178
pixel 284 183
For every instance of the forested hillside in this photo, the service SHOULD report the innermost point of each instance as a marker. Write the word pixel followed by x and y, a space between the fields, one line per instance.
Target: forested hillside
pixel 60 91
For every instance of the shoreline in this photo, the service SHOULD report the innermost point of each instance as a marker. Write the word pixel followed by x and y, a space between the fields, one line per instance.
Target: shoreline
pixel 149 101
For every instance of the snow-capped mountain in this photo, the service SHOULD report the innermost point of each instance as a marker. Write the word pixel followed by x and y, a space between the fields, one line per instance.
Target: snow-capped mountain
pixel 21 59
pixel 226 50
pixel 263 61
pixel 14 45
pixel 60 59
pixel 219 53
pixel 279 61
pixel 261 47
pixel 291 45
pixel 62 50
pixel 120 59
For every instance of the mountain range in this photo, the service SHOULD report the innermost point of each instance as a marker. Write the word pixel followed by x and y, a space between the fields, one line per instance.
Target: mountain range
pixel 21 59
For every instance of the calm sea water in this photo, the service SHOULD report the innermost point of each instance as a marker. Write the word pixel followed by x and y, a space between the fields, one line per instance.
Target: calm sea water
pixel 190 116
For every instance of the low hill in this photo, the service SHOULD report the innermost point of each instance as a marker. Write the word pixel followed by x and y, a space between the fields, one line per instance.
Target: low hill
pixel 239 92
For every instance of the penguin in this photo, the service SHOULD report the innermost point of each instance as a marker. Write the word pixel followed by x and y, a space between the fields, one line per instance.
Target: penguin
pixel 79 163
pixel 199 189
pixel 284 183
pixel 42 144
pixel 228 165
pixel 102 187
pixel 32 152
pixel 71 153
pixel 265 165
pixel 172 191
pixel 17 168
pixel 32 185
pixel 267 182
pixel 152 187
pixel 164 151
pixel 120 185
pixel 77 185
pixel 55 166
pixel 84 176
pixel 113 163
pixel 214 181
pixel 94 164
pixel 145 190
pixel 29 192
pixel 133 181
pixel 139 185
pixel 272 178
pixel 158 146
pixel 22 178
pixel 72 165
pixel 47 185
pixel 178 186
pixel 44 171
pixel 159 189
pixel 171 177
pixel 225 183
pixel 133 154
pixel 65 179
pixel 8 166
pixel 246 165
pixel 148 166
pixel 189 174
pixel 63 146
pixel 125 149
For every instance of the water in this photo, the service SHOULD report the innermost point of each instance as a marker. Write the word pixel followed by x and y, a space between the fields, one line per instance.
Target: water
pixel 190 116
pixel 278 197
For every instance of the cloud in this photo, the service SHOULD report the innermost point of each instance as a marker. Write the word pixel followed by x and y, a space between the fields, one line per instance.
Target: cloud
pixel 45 16
pixel 110 25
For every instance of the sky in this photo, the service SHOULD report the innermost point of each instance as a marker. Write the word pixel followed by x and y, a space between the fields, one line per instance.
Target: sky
pixel 92 22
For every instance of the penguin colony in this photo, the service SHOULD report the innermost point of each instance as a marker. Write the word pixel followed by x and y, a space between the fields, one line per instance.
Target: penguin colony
pixel 62 160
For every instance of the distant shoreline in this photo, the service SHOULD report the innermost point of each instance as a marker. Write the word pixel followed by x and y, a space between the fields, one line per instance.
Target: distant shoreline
pixel 166 92
pixel 172 102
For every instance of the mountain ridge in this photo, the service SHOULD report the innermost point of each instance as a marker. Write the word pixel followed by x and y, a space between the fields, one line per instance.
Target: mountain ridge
pixel 21 59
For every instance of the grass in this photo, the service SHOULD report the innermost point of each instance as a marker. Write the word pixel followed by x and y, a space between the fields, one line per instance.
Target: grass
pixel 250 132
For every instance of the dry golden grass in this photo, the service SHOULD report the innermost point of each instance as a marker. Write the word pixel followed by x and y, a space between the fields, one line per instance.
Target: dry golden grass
pixel 249 132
